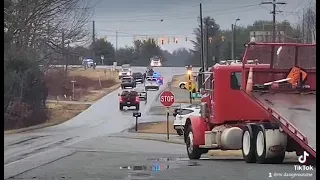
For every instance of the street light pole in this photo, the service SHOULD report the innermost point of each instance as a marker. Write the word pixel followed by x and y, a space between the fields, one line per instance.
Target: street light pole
pixel 207 44
pixel 202 49
pixel 207 47
pixel 201 39
pixel 233 28
pixel 232 42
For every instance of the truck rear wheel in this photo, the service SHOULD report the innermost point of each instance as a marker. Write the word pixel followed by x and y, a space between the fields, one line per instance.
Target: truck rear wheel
pixel 137 107
pixel 249 143
pixel 194 152
pixel 120 107
pixel 262 147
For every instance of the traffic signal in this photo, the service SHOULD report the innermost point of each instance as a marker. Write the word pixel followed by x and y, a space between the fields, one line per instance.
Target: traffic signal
pixel 189 70
pixel 222 38
pixel 162 41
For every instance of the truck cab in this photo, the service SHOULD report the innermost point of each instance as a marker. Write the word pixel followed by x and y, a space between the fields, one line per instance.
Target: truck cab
pixel 264 106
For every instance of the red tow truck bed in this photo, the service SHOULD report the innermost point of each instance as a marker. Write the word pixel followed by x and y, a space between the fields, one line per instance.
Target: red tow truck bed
pixel 295 112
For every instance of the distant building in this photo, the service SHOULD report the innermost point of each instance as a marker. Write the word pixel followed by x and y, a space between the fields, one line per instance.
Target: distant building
pixel 266 36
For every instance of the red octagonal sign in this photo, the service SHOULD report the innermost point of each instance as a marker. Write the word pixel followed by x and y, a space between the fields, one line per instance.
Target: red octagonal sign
pixel 167 98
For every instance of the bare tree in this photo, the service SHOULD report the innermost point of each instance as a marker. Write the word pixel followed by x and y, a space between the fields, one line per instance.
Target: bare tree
pixel 36 25
pixel 32 37
pixel 309 23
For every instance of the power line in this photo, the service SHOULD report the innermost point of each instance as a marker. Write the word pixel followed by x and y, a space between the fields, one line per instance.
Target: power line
pixel 172 19
pixel 294 8
pixel 298 5
pixel 150 35
pixel 297 12
pixel 177 17
pixel 184 13
pixel 129 34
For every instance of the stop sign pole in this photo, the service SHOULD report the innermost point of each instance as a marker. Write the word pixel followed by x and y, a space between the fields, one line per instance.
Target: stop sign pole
pixel 167 99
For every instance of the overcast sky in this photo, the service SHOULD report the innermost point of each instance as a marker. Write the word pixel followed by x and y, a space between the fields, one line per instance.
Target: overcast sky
pixel 142 18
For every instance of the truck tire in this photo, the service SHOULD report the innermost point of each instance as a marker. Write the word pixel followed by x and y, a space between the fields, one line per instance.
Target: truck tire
pixel 120 107
pixel 137 107
pixel 194 152
pixel 261 150
pixel 249 143
pixel 122 87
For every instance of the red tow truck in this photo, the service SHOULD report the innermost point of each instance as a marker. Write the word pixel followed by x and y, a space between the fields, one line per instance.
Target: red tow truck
pixel 265 106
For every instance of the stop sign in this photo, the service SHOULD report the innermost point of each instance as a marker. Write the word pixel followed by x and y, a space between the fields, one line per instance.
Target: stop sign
pixel 167 98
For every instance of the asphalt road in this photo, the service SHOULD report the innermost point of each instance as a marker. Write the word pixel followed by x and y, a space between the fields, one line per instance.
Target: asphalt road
pixel 82 148
pixel 101 118
pixel 132 159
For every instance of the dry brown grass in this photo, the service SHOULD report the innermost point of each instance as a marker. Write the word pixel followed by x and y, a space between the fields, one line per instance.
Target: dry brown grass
pixel 59 113
pixel 96 95
pixel 156 127
pixel 90 92
pixel 90 84
pixel 95 74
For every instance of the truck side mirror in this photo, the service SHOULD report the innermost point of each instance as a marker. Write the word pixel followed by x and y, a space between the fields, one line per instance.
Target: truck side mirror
pixel 118 94
pixel 174 114
pixel 204 110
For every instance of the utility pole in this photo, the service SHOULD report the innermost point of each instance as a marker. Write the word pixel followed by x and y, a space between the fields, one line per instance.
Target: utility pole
pixel 303 41
pixel 68 58
pixel 116 53
pixel 273 12
pixel 63 48
pixel 93 41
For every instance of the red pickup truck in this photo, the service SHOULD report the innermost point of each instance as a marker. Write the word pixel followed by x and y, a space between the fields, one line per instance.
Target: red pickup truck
pixel 128 99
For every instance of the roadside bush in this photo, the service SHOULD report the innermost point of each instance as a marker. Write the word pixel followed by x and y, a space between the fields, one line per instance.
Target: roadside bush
pixel 24 93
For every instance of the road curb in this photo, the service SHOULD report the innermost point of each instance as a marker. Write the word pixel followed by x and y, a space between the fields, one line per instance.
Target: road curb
pixel 40 126
pixel 31 128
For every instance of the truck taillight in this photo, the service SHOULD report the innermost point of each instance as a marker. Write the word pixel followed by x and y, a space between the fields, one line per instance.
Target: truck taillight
pixel 121 99
pixel 137 99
